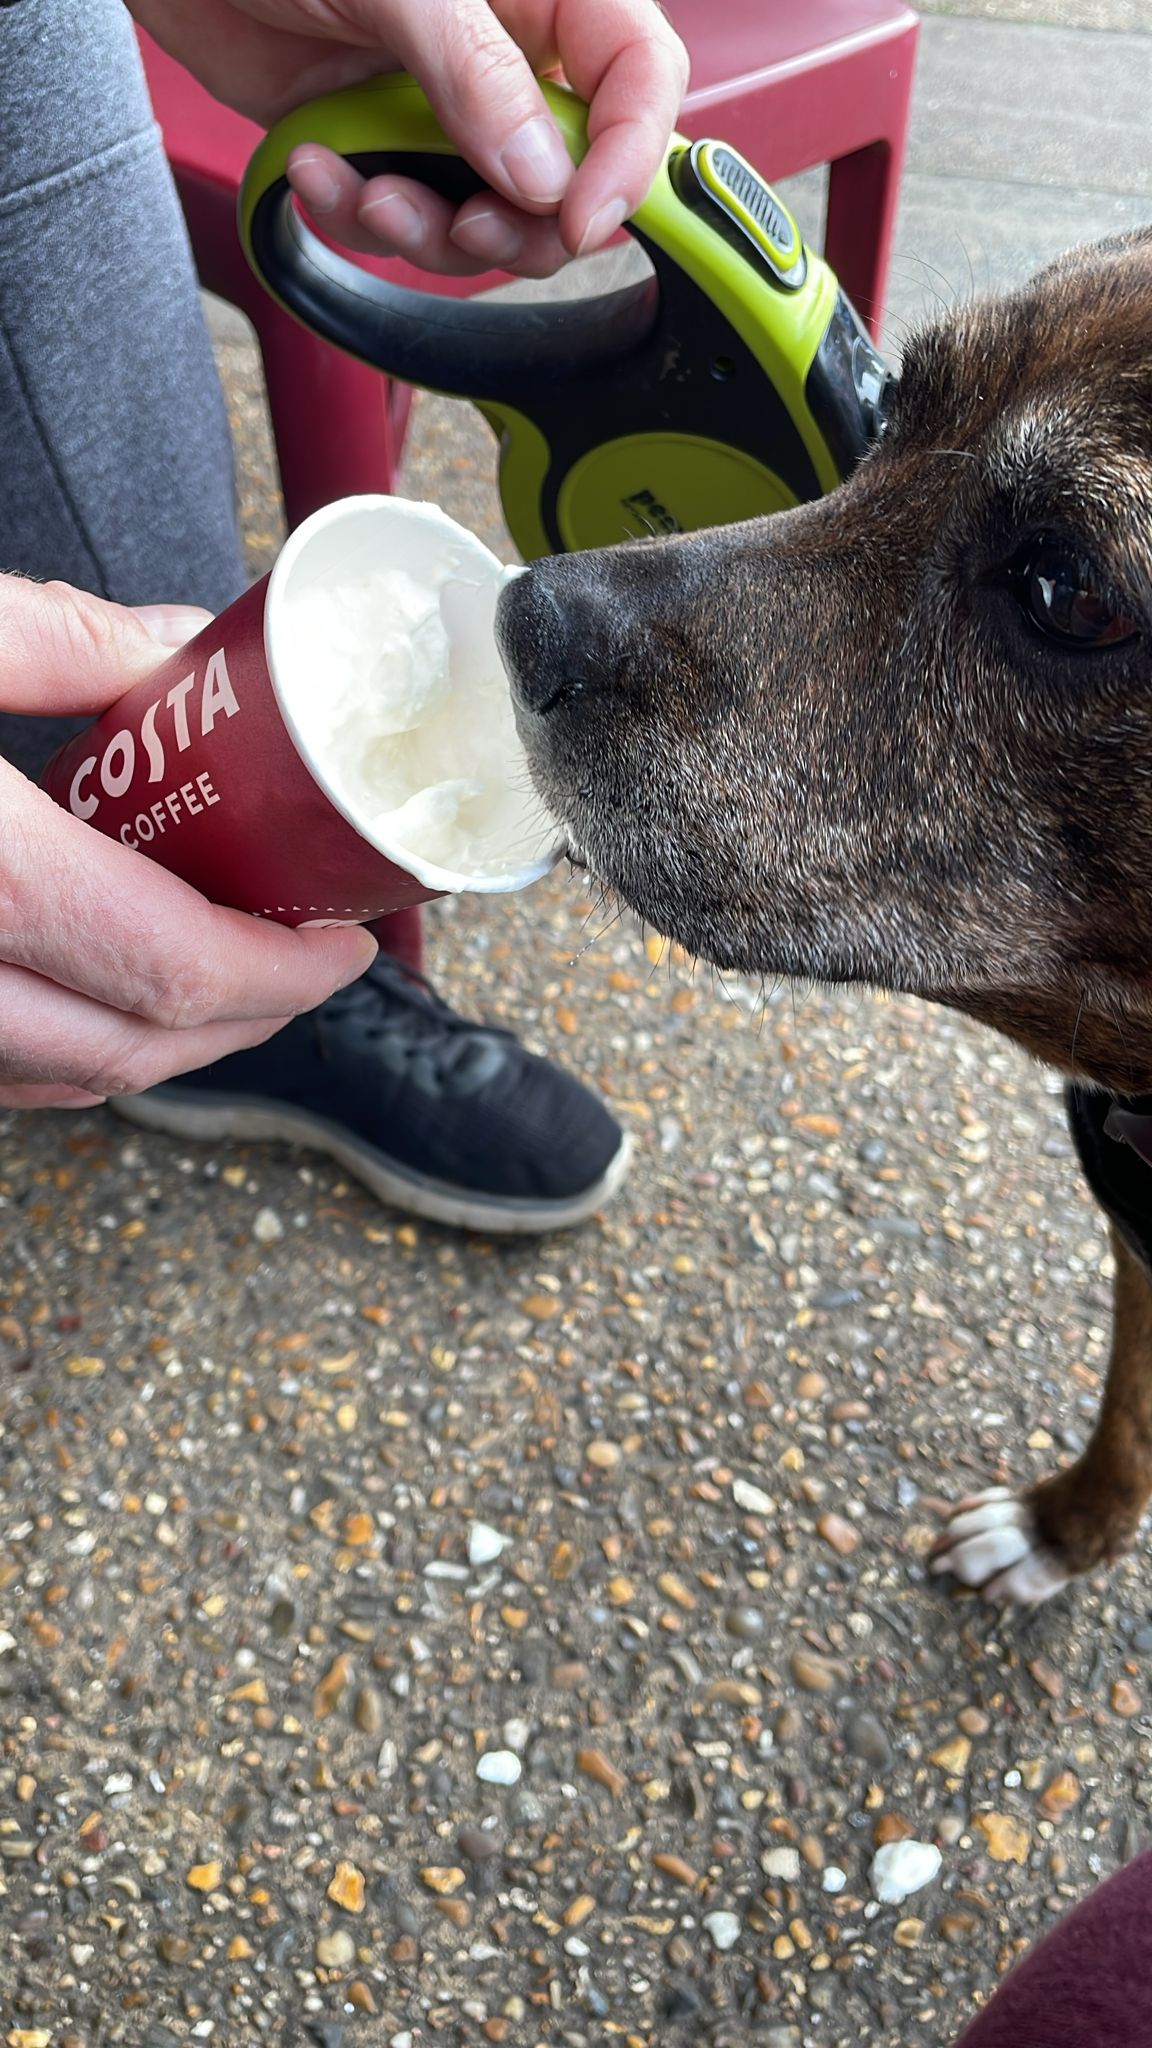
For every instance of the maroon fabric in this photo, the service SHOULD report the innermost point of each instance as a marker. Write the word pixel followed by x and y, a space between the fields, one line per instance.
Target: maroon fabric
pixel 1088 1984
pixel 400 936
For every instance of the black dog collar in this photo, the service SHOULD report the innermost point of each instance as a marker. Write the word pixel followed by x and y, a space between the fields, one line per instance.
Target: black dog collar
pixel 1113 1136
pixel 1130 1127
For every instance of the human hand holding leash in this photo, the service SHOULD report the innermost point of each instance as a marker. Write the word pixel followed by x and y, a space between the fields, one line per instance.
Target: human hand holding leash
pixel 113 974
pixel 478 64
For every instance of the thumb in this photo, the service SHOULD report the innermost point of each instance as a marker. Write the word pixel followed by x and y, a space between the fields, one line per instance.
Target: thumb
pixel 63 650
pixel 483 92
pixel 172 626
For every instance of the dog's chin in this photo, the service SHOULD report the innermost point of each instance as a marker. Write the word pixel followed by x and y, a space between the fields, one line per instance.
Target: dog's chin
pixel 769 942
pixel 687 924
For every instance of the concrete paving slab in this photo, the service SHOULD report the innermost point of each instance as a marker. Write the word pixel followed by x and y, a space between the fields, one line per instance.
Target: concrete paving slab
pixel 1133 16
pixel 1038 106
pixel 957 237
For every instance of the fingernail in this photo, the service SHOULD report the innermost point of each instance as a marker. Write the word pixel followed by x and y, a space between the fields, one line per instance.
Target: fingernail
pixel 536 162
pixel 172 625
pixel 365 954
pixel 489 237
pixel 603 225
pixel 394 219
pixel 314 183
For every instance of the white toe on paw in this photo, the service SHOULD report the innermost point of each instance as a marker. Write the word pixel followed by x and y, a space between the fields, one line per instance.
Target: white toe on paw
pixel 991 1542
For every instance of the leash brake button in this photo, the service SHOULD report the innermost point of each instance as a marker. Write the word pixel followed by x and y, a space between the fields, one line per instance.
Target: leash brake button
pixel 713 178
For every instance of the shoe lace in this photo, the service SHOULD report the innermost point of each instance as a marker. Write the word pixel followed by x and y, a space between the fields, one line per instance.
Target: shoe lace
pixel 394 999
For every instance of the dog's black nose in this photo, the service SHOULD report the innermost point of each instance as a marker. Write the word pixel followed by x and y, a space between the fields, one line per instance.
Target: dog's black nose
pixel 557 634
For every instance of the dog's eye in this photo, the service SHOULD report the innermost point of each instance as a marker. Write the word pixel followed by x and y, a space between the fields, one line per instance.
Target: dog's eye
pixel 1068 598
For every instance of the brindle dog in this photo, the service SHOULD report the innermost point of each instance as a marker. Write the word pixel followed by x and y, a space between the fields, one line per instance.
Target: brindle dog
pixel 903 737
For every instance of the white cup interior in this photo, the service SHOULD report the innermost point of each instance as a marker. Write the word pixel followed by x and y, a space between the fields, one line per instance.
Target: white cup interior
pixel 336 548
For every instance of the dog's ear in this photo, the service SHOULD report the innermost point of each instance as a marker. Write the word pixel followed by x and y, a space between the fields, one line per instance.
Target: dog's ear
pixel 1088 255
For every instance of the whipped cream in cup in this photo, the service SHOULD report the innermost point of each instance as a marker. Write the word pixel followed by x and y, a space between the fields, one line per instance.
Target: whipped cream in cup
pixel 340 742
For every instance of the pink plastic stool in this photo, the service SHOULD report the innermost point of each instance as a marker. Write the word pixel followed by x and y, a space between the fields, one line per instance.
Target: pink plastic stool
pixel 795 83
pixel 338 425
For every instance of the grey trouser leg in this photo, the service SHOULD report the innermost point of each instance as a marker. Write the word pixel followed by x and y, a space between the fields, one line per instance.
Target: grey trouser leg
pixel 115 462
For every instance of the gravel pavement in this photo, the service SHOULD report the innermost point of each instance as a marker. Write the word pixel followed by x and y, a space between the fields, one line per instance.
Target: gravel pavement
pixel 407 1639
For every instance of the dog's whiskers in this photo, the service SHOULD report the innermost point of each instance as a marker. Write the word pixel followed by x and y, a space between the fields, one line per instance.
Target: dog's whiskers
pixel 1076 1028
pixel 950 296
pixel 600 904
pixel 596 937
pixel 1115 1011
pixel 649 526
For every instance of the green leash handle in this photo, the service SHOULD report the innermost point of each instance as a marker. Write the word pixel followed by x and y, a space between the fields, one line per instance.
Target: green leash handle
pixel 466 348
pixel 731 382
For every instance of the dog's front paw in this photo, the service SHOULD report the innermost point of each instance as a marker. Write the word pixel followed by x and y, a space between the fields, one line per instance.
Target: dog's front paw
pixel 991 1542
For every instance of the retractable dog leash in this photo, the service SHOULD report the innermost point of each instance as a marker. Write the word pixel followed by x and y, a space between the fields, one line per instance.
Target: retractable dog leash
pixel 735 380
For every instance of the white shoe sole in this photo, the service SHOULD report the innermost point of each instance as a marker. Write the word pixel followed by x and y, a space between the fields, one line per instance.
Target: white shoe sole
pixel 212 1119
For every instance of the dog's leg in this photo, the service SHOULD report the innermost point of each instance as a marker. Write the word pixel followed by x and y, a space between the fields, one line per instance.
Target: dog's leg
pixel 1023 1547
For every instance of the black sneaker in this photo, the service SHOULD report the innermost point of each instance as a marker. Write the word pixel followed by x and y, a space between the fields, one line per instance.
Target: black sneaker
pixel 446 1119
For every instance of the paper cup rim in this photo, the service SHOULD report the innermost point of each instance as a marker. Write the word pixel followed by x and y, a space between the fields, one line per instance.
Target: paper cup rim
pixel 445 881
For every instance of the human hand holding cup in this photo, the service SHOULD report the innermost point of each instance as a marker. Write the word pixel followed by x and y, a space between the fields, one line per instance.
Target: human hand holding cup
pixel 115 975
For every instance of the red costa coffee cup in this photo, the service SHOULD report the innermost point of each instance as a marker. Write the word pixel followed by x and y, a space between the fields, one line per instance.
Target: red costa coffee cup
pixel 298 758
